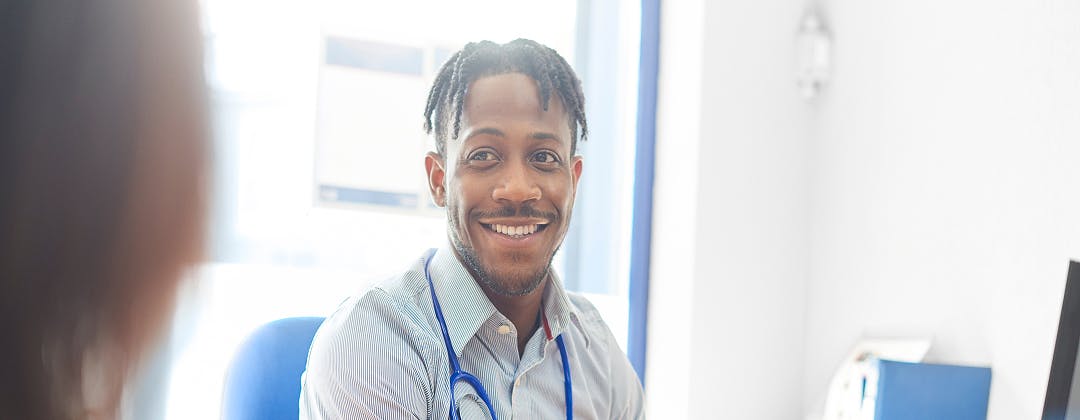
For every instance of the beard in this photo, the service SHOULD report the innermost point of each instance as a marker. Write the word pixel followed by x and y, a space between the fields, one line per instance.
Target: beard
pixel 510 282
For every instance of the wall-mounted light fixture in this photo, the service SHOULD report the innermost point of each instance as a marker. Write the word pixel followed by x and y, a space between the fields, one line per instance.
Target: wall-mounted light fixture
pixel 814 49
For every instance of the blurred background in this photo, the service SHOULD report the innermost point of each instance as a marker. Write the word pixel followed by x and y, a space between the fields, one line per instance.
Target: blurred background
pixel 899 169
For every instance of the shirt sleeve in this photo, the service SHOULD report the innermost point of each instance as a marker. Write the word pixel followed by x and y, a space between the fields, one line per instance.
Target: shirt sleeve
pixel 365 363
pixel 628 392
pixel 627 396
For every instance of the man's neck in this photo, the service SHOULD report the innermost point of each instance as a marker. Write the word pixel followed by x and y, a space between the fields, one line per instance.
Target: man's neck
pixel 523 311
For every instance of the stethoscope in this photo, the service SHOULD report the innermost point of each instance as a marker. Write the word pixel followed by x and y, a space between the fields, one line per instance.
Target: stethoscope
pixel 460 375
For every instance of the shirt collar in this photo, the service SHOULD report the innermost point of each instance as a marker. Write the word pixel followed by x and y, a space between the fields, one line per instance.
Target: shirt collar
pixel 464 305
pixel 560 313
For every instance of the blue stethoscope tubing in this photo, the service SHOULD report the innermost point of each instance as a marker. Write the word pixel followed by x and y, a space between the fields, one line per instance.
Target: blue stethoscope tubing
pixel 460 375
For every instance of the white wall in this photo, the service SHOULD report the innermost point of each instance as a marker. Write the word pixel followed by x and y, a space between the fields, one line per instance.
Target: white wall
pixel 933 190
pixel 730 223
pixel 945 187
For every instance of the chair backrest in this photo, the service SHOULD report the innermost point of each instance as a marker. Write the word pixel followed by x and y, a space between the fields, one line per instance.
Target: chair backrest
pixel 263 380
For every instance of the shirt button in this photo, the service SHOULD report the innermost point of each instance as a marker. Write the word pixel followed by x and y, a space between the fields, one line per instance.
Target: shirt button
pixel 519 381
pixel 504 329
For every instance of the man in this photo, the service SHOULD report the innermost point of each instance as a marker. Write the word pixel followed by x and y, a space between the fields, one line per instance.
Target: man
pixel 506 120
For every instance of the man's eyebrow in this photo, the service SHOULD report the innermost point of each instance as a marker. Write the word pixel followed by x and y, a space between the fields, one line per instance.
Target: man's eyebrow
pixel 492 131
pixel 544 136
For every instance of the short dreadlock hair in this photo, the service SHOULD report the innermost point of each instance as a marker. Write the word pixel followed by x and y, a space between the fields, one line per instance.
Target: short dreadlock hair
pixel 480 59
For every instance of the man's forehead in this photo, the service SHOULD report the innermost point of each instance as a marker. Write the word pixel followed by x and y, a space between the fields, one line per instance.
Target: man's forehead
pixel 493 99
pixel 516 87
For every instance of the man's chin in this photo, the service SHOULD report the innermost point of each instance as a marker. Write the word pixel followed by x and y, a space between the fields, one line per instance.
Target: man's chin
pixel 513 284
pixel 517 281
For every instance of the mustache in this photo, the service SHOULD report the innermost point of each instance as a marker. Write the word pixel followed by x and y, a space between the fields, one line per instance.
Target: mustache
pixel 523 211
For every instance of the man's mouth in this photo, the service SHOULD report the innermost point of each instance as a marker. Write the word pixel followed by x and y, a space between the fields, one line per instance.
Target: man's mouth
pixel 515 231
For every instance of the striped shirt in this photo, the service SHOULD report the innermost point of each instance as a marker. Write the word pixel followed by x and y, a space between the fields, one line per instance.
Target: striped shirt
pixel 381 355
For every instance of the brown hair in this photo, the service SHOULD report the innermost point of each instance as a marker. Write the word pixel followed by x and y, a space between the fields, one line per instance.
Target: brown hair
pixel 102 156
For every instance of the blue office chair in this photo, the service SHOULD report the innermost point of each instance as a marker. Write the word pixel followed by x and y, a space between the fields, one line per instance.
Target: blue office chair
pixel 263 380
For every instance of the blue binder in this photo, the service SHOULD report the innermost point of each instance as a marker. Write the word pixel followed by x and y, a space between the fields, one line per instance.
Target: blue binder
pixel 922 391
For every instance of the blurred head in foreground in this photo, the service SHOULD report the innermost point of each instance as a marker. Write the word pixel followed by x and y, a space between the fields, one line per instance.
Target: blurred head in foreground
pixel 102 158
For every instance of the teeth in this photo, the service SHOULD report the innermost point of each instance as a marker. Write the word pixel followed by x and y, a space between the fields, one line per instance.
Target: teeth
pixel 515 230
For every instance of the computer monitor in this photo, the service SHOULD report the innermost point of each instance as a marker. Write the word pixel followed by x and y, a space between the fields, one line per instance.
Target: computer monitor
pixel 1063 390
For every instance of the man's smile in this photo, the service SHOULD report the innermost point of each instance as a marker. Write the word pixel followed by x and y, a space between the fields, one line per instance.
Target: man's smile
pixel 515 229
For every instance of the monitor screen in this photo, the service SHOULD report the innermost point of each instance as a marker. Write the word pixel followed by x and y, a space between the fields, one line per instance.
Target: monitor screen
pixel 1063 390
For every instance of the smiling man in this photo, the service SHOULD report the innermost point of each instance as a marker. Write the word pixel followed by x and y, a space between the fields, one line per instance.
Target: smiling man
pixel 482 327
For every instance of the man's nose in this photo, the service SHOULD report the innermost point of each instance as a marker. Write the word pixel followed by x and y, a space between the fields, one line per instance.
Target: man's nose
pixel 516 185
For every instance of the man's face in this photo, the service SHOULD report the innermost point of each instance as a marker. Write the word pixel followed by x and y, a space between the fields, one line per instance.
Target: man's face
pixel 507 182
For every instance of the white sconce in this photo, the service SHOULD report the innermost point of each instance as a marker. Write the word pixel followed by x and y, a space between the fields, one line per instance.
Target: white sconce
pixel 814 49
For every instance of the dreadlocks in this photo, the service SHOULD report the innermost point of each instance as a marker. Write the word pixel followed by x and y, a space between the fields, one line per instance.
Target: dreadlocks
pixel 479 59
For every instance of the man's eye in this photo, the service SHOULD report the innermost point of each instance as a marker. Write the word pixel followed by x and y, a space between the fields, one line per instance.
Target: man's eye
pixel 544 156
pixel 483 155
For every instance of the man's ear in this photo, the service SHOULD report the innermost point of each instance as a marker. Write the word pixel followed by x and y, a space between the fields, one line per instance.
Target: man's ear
pixel 435 166
pixel 575 168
